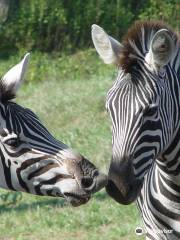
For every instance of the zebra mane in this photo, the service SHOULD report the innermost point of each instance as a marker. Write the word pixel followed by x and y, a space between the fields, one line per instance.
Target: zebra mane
pixel 137 40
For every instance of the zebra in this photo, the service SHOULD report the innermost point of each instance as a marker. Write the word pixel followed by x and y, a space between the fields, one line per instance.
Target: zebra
pixel 144 107
pixel 31 159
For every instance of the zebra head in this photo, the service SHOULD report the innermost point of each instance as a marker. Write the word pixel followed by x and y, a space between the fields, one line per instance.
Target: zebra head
pixel 140 104
pixel 31 159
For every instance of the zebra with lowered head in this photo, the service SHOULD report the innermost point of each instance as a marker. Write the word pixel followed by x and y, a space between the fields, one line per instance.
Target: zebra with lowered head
pixel 144 106
pixel 31 159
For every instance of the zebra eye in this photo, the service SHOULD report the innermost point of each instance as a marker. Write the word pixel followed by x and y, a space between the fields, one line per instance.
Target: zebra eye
pixel 13 142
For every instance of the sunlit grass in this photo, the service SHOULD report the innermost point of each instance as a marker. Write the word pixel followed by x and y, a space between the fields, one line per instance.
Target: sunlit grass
pixel 48 218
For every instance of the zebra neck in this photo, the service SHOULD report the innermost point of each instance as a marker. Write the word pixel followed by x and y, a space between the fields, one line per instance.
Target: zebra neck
pixel 169 161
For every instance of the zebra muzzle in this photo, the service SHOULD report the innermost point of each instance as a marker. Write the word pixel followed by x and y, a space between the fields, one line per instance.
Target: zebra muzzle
pixel 122 185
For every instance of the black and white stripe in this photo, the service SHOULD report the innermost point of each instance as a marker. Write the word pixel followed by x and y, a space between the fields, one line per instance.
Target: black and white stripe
pixel 31 159
pixel 144 106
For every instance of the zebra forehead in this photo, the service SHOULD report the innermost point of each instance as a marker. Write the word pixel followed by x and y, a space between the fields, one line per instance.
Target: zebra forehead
pixel 136 42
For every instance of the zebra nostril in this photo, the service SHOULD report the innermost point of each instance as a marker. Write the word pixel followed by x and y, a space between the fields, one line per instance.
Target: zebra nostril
pixel 86 182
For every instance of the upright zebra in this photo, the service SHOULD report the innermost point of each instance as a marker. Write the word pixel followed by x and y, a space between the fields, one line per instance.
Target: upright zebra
pixel 144 106
pixel 31 159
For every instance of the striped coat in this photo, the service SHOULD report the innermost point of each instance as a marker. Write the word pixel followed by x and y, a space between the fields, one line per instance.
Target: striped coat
pixel 31 159
pixel 144 107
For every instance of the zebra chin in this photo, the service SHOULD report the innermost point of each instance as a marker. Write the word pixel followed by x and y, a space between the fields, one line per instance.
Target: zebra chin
pixel 81 194
pixel 77 200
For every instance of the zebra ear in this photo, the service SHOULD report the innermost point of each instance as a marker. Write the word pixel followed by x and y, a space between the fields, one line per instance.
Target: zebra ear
pixel 11 81
pixel 107 47
pixel 161 49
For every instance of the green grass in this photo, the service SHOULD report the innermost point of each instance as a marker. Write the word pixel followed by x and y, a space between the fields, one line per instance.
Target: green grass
pixel 69 99
pixel 47 218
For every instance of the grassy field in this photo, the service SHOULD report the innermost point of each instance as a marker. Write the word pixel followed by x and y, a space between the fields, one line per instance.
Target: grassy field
pixel 68 94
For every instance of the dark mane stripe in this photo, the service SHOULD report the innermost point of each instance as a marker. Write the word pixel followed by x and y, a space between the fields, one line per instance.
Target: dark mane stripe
pixel 140 35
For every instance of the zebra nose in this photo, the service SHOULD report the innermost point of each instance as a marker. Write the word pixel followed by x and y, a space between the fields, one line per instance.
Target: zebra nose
pixel 87 182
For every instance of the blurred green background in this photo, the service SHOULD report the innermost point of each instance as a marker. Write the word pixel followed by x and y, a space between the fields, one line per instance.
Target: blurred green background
pixel 64 25
pixel 66 86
